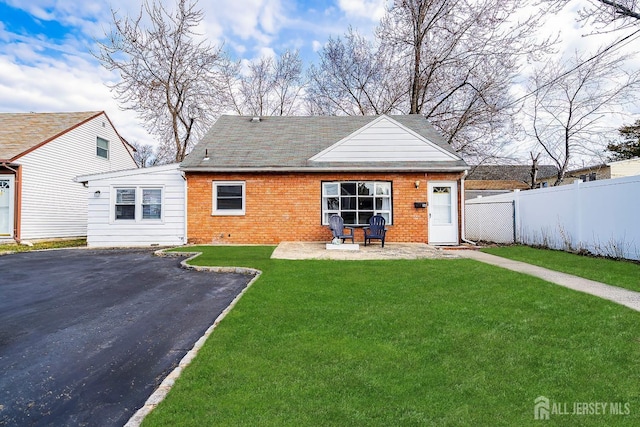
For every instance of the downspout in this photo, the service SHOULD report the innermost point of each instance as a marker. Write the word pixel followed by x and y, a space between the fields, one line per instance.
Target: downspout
pixel 186 211
pixel 466 172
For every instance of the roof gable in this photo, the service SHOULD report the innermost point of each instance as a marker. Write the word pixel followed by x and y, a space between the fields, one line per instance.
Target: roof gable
pixel 21 133
pixel 279 143
pixel 384 140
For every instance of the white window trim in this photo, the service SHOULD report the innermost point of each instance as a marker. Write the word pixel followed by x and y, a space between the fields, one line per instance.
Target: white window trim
pixel 138 206
pixel 375 211
pixel 227 212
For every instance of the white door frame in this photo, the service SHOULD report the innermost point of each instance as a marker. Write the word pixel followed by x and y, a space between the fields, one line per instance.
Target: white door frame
pixel 8 231
pixel 443 234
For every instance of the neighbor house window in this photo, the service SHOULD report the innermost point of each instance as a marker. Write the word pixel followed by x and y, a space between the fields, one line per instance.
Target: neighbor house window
pixel 138 203
pixel 228 198
pixel 102 148
pixel 356 201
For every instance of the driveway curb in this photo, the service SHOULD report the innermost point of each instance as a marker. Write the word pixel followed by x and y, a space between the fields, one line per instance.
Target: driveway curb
pixel 165 386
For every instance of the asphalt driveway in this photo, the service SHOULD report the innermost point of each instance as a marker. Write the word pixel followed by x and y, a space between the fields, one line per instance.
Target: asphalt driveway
pixel 87 335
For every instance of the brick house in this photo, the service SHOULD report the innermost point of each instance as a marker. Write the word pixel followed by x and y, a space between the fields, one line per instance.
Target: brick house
pixel 271 179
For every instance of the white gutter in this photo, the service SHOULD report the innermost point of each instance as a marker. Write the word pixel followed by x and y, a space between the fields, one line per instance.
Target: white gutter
pixel 463 238
pixel 325 169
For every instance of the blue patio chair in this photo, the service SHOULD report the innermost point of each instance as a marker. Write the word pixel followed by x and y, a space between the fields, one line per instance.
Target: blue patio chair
pixel 375 230
pixel 336 224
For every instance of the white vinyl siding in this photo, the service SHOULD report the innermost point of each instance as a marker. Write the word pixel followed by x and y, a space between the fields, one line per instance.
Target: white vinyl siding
pixel 53 204
pixel 384 140
pixel 166 182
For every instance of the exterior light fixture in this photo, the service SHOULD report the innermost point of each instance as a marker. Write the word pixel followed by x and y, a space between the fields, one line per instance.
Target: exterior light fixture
pixel 417 183
pixel 97 193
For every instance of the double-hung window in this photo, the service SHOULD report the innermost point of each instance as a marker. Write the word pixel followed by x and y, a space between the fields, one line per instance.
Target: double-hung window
pixel 102 148
pixel 151 203
pixel 356 201
pixel 137 204
pixel 125 203
pixel 228 198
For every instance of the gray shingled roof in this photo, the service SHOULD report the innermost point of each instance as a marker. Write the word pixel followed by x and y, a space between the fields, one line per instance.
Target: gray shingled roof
pixel 20 132
pixel 287 142
pixel 508 172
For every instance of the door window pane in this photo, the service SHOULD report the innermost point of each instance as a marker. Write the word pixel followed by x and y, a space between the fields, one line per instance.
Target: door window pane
pixel 441 206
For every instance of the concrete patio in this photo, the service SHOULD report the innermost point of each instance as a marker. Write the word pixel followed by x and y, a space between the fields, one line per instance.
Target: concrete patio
pixel 318 250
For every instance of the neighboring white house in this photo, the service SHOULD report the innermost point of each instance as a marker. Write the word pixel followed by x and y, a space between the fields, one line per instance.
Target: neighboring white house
pixel 137 207
pixel 40 155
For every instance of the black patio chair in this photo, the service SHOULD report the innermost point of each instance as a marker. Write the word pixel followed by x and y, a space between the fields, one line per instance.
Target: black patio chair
pixel 375 230
pixel 336 224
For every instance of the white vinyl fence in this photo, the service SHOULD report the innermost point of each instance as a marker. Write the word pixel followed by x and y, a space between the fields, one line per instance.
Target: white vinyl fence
pixel 601 217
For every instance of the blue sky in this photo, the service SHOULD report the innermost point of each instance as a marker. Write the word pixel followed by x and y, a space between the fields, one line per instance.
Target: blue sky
pixel 45 45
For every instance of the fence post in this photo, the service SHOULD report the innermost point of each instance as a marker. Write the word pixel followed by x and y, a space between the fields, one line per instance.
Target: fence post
pixel 516 216
pixel 578 213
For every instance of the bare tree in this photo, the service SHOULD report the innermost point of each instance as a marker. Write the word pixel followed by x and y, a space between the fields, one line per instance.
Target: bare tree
pixel 268 86
pixel 571 108
pixel 534 169
pixel 144 155
pixel 604 13
pixel 454 62
pixel 166 75
pixel 459 60
pixel 354 77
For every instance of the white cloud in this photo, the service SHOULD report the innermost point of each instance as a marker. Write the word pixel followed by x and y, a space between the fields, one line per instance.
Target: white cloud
pixel 33 81
pixel 368 9
pixel 316 45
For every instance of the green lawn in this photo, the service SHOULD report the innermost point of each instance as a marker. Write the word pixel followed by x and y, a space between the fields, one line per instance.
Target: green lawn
pixel 625 274
pixel 53 244
pixel 420 342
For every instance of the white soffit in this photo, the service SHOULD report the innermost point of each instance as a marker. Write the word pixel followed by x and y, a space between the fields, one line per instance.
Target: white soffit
pixel 384 140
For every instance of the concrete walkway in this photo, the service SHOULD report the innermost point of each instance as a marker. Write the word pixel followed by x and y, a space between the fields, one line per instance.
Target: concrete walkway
pixel 317 250
pixel 618 295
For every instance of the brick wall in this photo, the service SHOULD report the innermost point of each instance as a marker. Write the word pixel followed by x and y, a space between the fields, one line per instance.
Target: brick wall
pixel 287 207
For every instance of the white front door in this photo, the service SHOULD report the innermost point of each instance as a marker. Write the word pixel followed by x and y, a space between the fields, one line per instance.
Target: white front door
pixel 6 206
pixel 443 213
